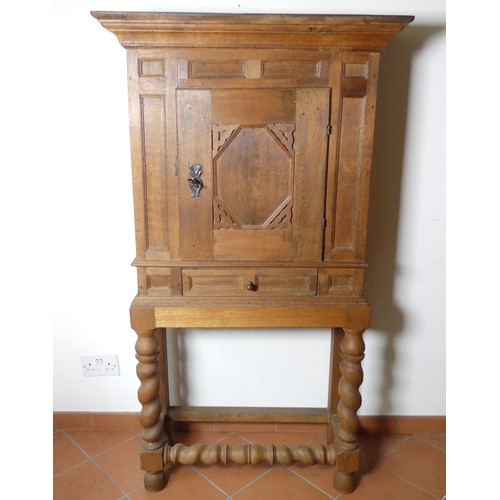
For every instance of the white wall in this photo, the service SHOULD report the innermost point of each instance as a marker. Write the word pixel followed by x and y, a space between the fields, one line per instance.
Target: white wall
pixel 94 283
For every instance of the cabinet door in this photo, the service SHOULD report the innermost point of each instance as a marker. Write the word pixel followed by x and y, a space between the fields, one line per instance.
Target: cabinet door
pixel 260 155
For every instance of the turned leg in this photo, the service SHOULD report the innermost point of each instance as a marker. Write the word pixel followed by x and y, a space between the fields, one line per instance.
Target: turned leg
pixel 346 436
pixel 153 440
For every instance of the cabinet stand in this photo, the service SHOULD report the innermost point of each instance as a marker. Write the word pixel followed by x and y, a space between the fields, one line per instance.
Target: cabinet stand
pixel 158 453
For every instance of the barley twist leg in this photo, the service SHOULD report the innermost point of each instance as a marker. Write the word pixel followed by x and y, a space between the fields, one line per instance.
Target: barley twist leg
pixel 150 416
pixel 346 442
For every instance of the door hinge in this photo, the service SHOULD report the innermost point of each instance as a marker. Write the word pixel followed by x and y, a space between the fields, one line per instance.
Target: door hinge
pixel 323 223
pixel 328 129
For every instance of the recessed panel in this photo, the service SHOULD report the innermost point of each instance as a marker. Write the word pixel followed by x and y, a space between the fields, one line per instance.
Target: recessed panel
pixel 254 176
pixel 152 67
pixel 282 69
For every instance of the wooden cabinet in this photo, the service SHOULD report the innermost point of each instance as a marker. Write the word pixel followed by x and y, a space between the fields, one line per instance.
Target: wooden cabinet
pixel 251 140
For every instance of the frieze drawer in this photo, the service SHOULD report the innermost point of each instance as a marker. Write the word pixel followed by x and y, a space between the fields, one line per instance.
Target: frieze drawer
pixel 247 282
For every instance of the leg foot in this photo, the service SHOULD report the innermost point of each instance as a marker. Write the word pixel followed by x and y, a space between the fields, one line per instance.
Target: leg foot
pixel 345 483
pixel 155 482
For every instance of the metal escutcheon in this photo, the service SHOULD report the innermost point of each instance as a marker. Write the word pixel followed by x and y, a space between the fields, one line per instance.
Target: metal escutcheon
pixel 195 183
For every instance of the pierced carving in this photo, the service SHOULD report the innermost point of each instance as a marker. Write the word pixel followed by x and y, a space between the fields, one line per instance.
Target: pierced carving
pixel 283 218
pixel 220 135
pixel 223 219
pixel 285 133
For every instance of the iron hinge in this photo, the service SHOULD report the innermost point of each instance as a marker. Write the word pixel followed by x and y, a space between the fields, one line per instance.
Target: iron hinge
pixel 329 129
pixel 323 223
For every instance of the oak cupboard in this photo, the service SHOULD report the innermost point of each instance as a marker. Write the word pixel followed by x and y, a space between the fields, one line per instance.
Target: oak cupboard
pixel 251 140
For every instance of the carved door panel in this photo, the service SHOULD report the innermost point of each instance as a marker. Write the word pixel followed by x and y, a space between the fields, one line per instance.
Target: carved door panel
pixel 252 173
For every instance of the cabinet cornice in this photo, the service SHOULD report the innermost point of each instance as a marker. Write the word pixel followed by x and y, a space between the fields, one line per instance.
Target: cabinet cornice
pixel 339 32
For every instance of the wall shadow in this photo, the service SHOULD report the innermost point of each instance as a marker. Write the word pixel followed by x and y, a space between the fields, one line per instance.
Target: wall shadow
pixel 385 195
pixel 176 352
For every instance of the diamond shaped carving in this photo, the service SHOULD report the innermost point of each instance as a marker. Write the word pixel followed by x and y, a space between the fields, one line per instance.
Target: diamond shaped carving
pixel 253 177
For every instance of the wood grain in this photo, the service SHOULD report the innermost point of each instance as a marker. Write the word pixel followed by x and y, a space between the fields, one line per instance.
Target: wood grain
pixel 194 143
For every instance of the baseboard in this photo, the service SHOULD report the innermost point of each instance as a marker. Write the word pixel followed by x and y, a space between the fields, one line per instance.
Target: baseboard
pixel 375 424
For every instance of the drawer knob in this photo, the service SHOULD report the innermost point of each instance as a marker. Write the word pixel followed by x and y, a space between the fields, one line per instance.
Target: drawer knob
pixel 251 286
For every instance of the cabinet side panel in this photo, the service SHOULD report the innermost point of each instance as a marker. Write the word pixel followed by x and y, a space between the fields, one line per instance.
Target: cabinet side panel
pixel 136 151
pixel 347 200
pixel 153 119
pixel 367 147
pixel 349 166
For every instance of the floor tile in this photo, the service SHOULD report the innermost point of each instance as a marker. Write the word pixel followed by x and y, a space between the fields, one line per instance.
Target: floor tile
pixel 379 484
pixel 280 484
pixel 65 454
pixel 420 464
pixel 190 438
pixel 376 447
pixel 97 442
pixel 388 424
pixel 393 467
pixel 70 420
pixel 319 475
pixel 122 464
pixel 184 484
pixel 312 428
pixel 84 482
pixel 121 422
pixel 418 424
pixel 192 426
pixel 437 440
pixel 243 427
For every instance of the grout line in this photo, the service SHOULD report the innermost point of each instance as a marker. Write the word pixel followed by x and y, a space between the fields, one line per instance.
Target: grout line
pixel 244 438
pixel 134 490
pixel 58 474
pixel 420 438
pixel 317 437
pixel 410 483
pixel 70 469
pixel 209 481
pixel 382 459
pixel 255 480
pixel 96 465
pixel 309 482
pixel 116 445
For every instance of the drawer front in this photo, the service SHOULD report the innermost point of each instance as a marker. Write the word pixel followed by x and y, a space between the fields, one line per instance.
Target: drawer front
pixel 340 282
pixel 157 281
pixel 248 282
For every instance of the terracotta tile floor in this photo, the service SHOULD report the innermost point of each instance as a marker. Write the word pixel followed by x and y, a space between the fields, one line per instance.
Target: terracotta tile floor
pixel 102 465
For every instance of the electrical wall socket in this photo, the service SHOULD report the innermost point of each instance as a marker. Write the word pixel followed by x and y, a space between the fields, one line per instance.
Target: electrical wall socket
pixel 100 366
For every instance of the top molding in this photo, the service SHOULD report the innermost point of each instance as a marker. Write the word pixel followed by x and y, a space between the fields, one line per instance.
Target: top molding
pixel 181 30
